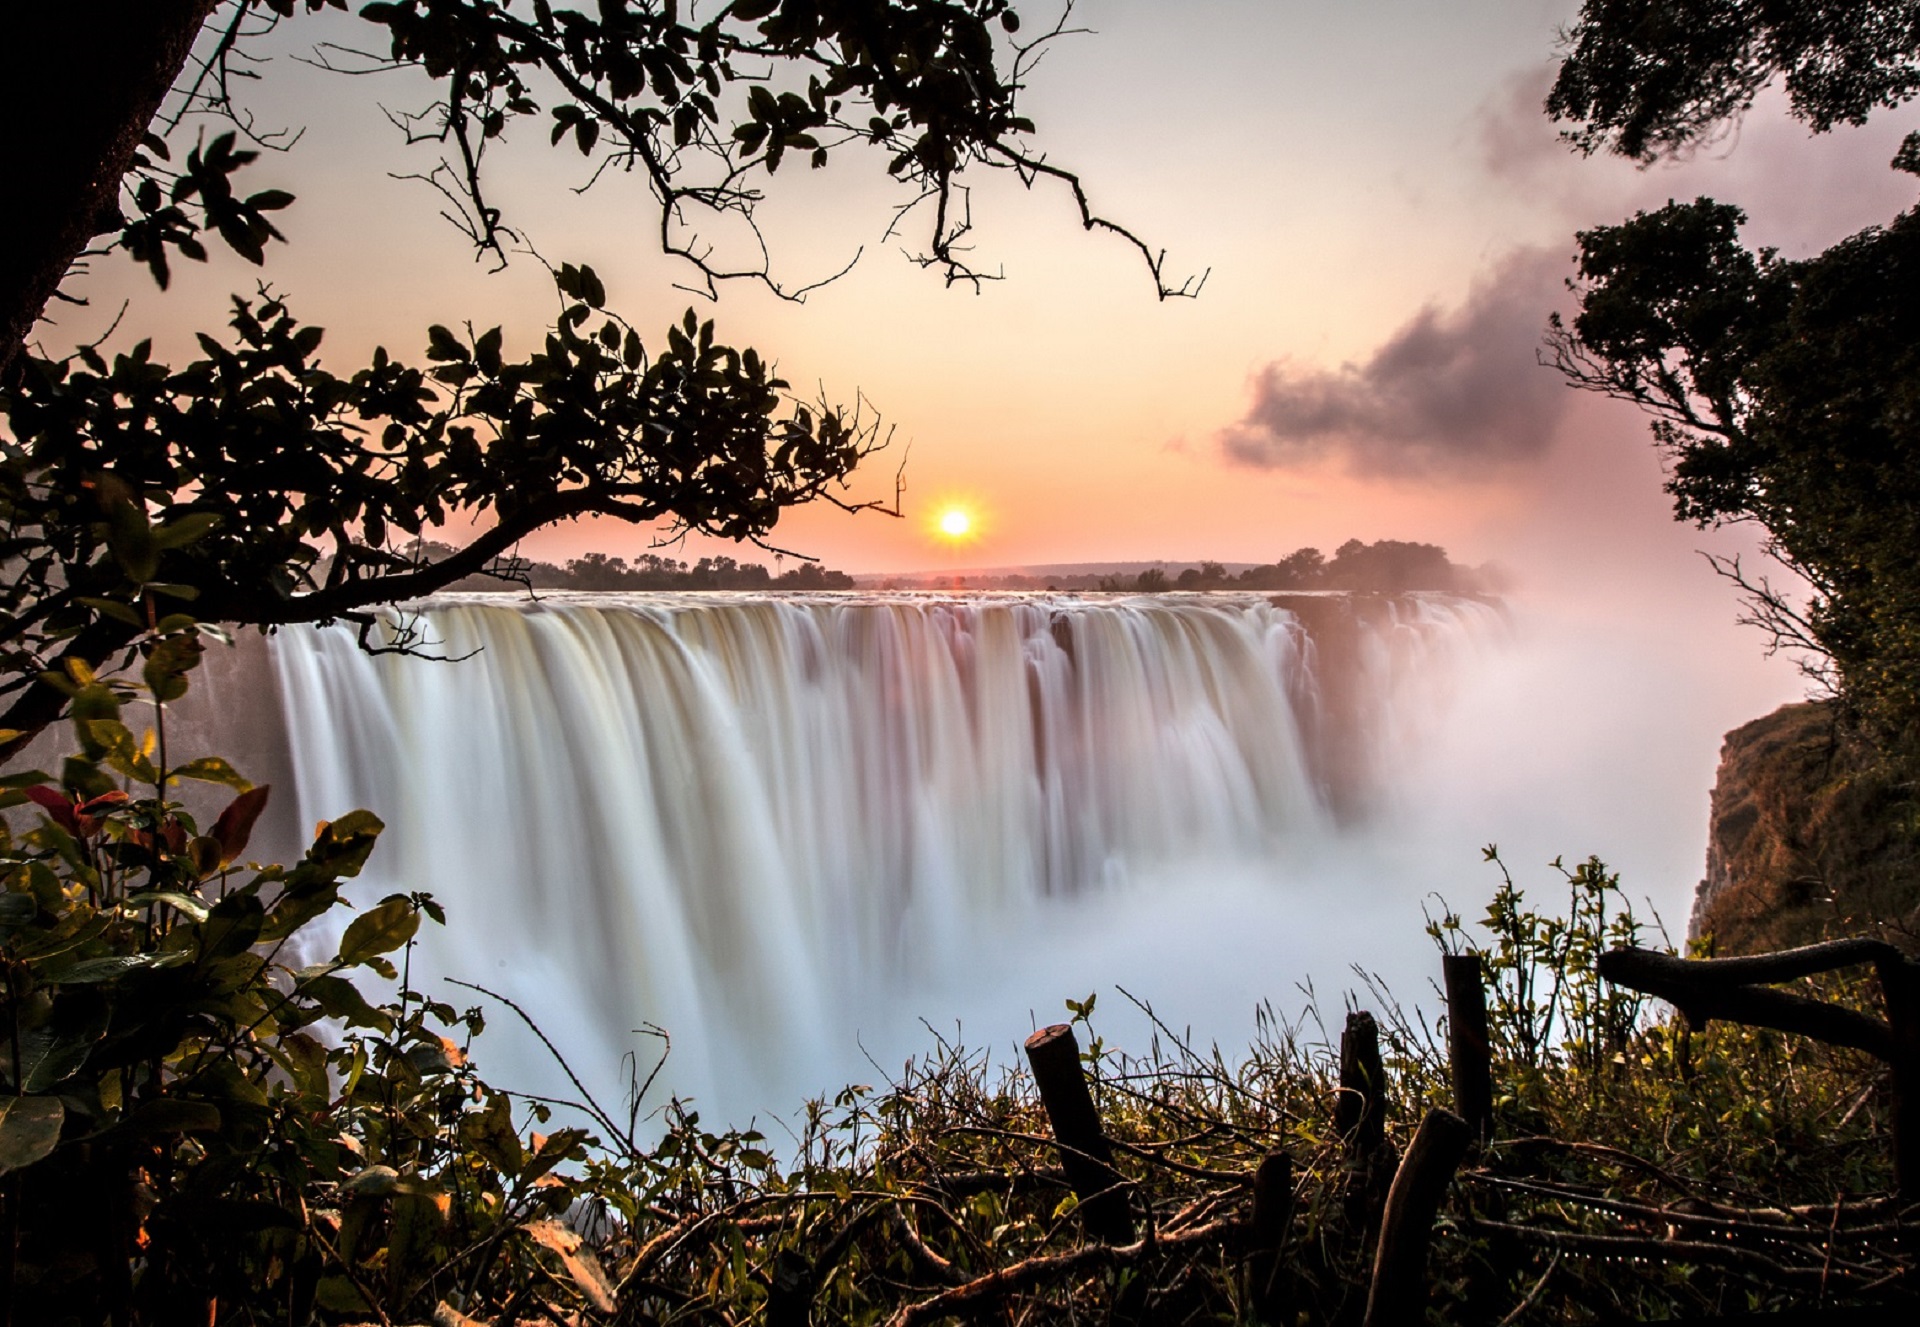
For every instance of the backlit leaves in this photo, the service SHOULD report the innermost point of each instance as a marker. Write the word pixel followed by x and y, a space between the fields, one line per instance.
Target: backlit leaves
pixel 379 930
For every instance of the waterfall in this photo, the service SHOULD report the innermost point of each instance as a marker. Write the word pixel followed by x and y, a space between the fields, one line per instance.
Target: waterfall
pixel 760 821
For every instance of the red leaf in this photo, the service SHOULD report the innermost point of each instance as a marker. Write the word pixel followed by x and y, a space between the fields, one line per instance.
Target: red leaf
pixel 235 825
pixel 56 804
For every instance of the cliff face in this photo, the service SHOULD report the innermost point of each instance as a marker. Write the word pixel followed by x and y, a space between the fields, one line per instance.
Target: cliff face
pixel 1808 839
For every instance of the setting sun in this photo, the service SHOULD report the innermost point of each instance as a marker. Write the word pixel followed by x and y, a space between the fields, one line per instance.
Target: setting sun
pixel 955 522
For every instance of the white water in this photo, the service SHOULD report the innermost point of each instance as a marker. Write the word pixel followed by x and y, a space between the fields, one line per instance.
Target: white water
pixel 774 825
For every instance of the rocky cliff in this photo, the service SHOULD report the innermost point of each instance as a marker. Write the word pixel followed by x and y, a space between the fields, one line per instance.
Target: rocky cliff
pixel 1808 839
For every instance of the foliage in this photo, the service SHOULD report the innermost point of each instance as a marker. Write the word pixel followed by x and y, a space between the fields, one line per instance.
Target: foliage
pixel 653 571
pixel 698 107
pixel 1548 1001
pixel 1650 77
pixel 270 462
pixel 1386 566
pixel 1783 393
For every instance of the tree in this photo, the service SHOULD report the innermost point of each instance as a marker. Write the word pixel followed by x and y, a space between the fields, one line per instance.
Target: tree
pixel 1646 78
pixel 255 486
pixel 1783 393
pixel 1786 393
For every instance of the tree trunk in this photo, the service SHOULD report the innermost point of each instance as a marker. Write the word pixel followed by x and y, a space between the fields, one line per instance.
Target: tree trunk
pixel 85 78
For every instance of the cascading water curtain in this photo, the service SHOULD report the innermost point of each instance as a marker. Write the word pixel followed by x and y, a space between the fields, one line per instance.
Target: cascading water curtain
pixel 741 818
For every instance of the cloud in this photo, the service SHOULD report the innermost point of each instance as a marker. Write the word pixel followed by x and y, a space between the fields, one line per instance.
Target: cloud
pixel 1518 144
pixel 1453 394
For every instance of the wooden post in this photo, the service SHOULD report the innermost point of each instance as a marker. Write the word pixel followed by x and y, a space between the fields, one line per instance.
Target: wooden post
pixel 1900 991
pixel 1267 1231
pixel 1397 1297
pixel 1055 1058
pixel 790 1291
pixel 1360 1112
pixel 1469 1047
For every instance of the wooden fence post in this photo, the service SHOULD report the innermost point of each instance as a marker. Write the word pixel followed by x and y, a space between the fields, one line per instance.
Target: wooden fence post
pixel 790 1291
pixel 1397 1296
pixel 1267 1290
pixel 1900 991
pixel 1360 1112
pixel 1055 1058
pixel 1469 1046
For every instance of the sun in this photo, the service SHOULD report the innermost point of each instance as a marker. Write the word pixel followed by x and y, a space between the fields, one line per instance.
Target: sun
pixel 956 522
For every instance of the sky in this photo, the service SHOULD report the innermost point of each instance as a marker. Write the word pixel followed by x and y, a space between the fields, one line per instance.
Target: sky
pixel 1383 216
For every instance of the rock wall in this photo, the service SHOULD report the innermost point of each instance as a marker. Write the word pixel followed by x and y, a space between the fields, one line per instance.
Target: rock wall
pixel 1808 839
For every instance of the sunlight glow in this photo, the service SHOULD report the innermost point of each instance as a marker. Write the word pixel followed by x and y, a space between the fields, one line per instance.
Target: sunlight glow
pixel 955 522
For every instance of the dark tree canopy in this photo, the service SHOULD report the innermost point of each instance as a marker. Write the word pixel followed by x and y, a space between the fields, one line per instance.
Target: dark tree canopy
pixel 1646 78
pixel 257 486
pixel 1786 393
pixel 1783 393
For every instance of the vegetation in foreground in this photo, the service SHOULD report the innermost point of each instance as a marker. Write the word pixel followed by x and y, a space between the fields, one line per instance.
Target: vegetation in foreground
pixel 205 1120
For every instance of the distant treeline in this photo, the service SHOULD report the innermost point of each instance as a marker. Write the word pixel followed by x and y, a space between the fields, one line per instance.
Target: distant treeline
pixel 650 571
pixel 1387 566
pixel 1390 565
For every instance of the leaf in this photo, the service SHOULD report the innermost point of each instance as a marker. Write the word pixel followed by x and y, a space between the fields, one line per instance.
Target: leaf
pixel 444 347
pixel 341 999
pixel 29 1129
pixel 490 1133
pixel 232 926
pixel 342 845
pixel 178 533
pixel 373 1182
pixel 235 825
pixel 193 907
pixel 169 1115
pixel 379 931
pixel 112 608
pixel 211 769
pixel 96 970
pixel 17 910
pixel 174 590
pixel 165 671
pixel 550 1151
pixel 337 1294
pixel 51 1053
pixel 57 806
pixel 295 910
pixel 590 288
pixel 486 351
pixel 580 1262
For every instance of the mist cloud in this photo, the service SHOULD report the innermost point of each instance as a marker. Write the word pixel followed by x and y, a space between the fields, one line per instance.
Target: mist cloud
pixel 1452 394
